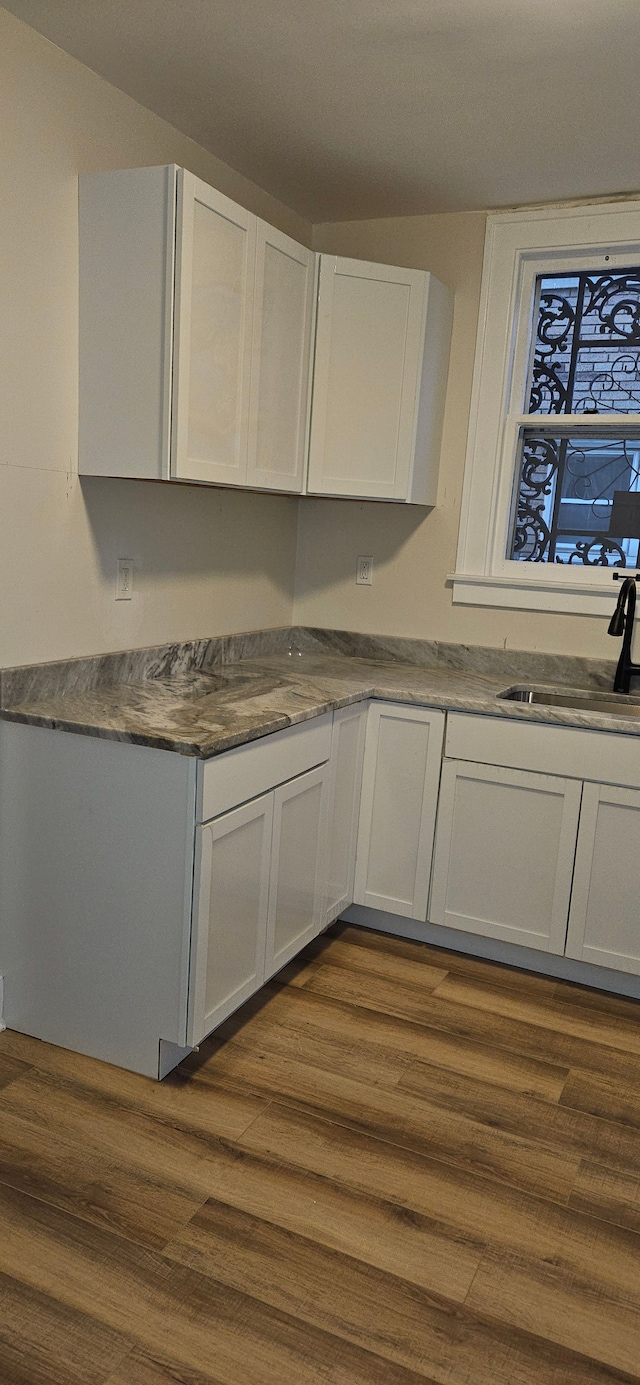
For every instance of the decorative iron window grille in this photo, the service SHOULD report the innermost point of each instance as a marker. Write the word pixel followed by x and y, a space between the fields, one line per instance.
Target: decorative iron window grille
pixel 585 360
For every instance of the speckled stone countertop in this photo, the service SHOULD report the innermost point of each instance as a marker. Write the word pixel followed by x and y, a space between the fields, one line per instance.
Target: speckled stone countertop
pixel 202 697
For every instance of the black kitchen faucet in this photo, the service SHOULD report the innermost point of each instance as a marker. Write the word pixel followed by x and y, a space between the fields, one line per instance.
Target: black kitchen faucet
pixel 621 623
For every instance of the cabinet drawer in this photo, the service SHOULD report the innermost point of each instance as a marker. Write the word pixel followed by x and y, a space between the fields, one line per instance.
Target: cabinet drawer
pixel 252 769
pixel 569 751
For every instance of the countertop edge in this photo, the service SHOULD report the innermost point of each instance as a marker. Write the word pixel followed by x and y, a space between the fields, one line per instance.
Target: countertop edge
pixel 208 748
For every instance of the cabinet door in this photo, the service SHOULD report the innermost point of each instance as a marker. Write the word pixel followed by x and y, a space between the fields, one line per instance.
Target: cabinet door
pixel 398 810
pixel 297 897
pixel 215 275
pixel 347 753
pixel 604 923
pixel 505 847
pixel 230 913
pixel 368 358
pixel 283 312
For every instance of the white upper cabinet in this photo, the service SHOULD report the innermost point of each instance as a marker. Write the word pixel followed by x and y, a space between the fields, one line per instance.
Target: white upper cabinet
pixel 282 331
pixel 214 297
pixel 197 353
pixel 382 349
pixel 195 335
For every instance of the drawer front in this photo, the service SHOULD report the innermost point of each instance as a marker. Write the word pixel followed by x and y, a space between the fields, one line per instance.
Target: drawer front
pixel 569 751
pixel 252 769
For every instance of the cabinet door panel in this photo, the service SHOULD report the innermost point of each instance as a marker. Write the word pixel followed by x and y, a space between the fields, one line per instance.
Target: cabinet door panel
pixel 232 893
pixel 604 923
pixel 215 275
pixel 505 847
pixel 368 361
pixel 297 897
pixel 285 275
pixel 347 753
pixel 398 810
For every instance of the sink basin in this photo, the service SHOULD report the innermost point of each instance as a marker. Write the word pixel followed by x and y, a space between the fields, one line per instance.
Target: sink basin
pixel 580 699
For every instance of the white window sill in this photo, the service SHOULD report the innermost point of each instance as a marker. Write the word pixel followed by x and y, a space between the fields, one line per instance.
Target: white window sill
pixel 570 598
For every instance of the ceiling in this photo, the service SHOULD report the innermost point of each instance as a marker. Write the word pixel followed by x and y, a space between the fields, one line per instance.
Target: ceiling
pixel 358 108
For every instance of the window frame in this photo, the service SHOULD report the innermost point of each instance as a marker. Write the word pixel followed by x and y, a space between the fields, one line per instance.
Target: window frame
pixel 519 246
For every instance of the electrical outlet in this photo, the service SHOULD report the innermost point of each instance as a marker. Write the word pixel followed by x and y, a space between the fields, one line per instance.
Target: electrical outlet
pixel 124 579
pixel 364 571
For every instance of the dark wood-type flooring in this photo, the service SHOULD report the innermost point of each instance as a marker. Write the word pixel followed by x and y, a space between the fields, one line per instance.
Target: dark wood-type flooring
pixel 396 1165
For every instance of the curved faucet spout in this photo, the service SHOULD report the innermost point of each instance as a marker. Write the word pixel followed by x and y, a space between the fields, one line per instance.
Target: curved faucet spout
pixel 616 624
pixel 621 623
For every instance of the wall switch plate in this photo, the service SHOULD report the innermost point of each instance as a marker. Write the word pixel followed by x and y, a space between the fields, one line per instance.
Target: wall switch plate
pixel 364 571
pixel 124 579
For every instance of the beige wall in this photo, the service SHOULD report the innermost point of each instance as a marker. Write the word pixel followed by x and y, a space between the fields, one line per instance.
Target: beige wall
pixel 413 549
pixel 209 561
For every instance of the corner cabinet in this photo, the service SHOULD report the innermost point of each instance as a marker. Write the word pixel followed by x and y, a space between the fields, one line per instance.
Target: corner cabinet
pixel 199 361
pixel 195 335
pixel 345 788
pixel 381 358
pixel 403 756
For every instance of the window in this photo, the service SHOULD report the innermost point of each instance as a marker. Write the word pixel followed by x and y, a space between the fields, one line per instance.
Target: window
pixel 555 422
pixel 585 359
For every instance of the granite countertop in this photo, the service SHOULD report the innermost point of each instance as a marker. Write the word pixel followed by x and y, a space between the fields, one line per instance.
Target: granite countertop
pixel 201 698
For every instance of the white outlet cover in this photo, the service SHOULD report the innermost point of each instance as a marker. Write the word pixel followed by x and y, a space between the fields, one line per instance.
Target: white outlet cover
pixel 364 570
pixel 124 579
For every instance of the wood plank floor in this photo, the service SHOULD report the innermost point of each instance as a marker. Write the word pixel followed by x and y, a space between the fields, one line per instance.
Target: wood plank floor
pixel 396 1165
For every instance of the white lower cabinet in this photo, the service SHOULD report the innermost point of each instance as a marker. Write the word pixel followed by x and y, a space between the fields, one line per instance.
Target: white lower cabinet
pixel 347 752
pixel 604 923
pixel 504 853
pixel 185 885
pixel 233 863
pixel 297 891
pixel 259 895
pixel 398 808
pixel 548 860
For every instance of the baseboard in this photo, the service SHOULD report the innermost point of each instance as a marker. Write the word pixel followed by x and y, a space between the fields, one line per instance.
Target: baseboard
pixel 509 954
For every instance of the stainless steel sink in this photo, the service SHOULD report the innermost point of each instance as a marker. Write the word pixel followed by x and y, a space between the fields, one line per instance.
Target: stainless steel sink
pixel 580 699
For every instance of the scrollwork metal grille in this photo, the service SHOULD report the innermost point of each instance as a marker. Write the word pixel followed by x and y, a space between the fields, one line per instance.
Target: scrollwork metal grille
pixel 586 356
pixel 585 360
pixel 565 492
